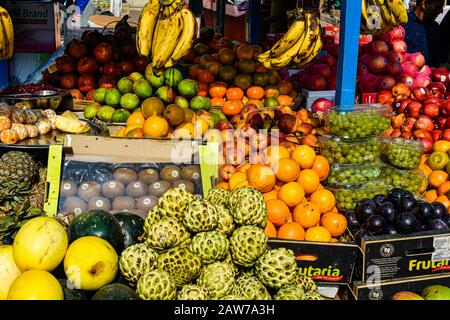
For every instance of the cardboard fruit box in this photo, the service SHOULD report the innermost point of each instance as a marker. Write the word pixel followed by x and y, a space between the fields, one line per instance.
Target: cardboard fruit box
pixel 395 257
pixel 324 262
pixel 385 290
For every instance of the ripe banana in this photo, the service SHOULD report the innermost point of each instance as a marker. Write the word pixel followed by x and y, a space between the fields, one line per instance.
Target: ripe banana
pixel 170 9
pixel 387 15
pixel 313 53
pixel 187 37
pixel 289 38
pixel 6 35
pixel 312 32
pixel 398 10
pixel 167 36
pixel 146 27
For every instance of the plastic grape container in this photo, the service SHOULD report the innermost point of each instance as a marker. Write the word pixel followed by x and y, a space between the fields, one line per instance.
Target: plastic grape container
pixel 364 121
pixel 401 153
pixel 347 174
pixel 412 180
pixel 350 151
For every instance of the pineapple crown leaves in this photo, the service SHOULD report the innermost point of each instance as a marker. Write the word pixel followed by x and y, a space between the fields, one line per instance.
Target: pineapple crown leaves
pixel 10 224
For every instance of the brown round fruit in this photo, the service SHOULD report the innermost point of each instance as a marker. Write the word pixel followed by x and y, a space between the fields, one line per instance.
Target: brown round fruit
pixel 113 189
pixel 145 203
pixel 89 190
pixel 101 203
pixel 184 184
pixel 148 175
pixel 125 175
pixel 68 188
pixel 191 173
pixel 75 205
pixel 136 189
pixel 170 173
pixel 124 204
pixel 158 188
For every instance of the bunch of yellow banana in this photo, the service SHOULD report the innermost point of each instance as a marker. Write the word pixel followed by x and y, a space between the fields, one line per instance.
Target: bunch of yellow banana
pixel 6 35
pixel 299 45
pixel 165 35
pixel 380 16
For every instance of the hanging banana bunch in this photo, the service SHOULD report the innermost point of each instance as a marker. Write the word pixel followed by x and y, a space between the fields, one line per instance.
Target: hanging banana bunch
pixel 165 33
pixel 299 45
pixel 6 35
pixel 380 16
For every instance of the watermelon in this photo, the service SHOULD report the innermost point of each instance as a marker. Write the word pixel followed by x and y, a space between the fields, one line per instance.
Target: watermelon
pixel 97 223
pixel 115 291
pixel 132 227
pixel 72 294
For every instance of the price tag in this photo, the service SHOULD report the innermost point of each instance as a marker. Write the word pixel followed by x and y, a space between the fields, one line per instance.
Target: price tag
pixel 441 249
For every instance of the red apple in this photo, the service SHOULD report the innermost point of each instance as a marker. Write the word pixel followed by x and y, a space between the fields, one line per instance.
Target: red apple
pixel 445 106
pixel 395 57
pixel 398 120
pixel 103 52
pixel 321 105
pixel 331 83
pixel 365 58
pixel 402 104
pixel 65 64
pixel 397 33
pixel 127 67
pixel 431 110
pixel 223 125
pixel 226 171
pixel 406 135
pixel 377 64
pixel 128 49
pixel 418 59
pixel 384 97
pixel 86 82
pixel 77 49
pixel 424 122
pixel 436 134
pixel 387 83
pixel 378 47
pixel 437 86
pixel 76 94
pixel 422 134
pixel 362 69
pixel 408 80
pixel 68 81
pixel 393 69
pixel 317 83
pixel 418 94
pixel 428 144
pixel 446 135
pixel 328 59
pixel 399 45
pixel 432 99
pixel 445 75
pixel 323 70
pixel 368 82
pixel 140 63
pixel 87 65
pixel 107 82
pixel 112 69
pixel 441 122
pixel 414 109
pixel 396 133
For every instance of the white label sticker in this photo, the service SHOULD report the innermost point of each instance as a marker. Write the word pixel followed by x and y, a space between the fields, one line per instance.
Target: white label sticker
pixel 157 185
pixel 175 174
pixel 77 210
pixel 182 186
pixel 147 201
pixel 112 185
pixel 137 185
pixel 66 186
pixel 99 203
pixel 441 249
pixel 84 186
pixel 195 175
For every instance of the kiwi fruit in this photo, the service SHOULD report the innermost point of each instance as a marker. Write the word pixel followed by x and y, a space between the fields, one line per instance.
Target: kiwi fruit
pixel 124 203
pixel 74 204
pixel 148 175
pixel 145 203
pixel 68 188
pixel 125 175
pixel 99 203
pixel 89 190
pixel 158 188
pixel 136 189
pixel 184 184
pixel 170 173
pixel 191 173
pixel 113 189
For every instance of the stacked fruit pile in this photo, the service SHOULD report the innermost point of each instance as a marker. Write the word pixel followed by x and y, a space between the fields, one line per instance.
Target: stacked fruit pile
pixel 213 248
pixel 398 212
pixel 355 148
pixel 96 61
pixel 299 207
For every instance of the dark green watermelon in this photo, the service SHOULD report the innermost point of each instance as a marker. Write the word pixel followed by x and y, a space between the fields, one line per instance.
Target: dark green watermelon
pixel 132 227
pixel 72 294
pixel 115 291
pixel 97 223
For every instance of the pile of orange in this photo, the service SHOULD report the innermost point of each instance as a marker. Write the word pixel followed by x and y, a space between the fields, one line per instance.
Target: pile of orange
pixel 298 206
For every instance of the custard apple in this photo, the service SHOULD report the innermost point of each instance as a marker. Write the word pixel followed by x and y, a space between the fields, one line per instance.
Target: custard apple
pixel 200 215
pixel 156 285
pixel 248 207
pixel 246 271
pixel 154 215
pixel 276 268
pixel 229 261
pixel 225 224
pixel 313 296
pixel 193 292
pixel 181 263
pixel 233 297
pixel 247 244
pixel 174 201
pixel 211 246
pixel 290 292
pixel 137 260
pixel 219 197
pixel 218 278
pixel 307 283
pixel 166 234
pixel 250 288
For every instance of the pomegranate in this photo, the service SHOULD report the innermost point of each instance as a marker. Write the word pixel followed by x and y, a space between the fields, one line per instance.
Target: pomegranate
pixel 321 104
pixel 103 52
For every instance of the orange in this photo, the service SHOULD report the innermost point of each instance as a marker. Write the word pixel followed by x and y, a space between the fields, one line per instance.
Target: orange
pixel 444 188
pixel 291 231
pixel 130 128
pixel 335 210
pixel 441 145
pixel 309 180
pixel 318 234
pixel 261 177
pixel 135 133
pixel 136 119
pixel 324 199
pixel 334 240
pixel 277 212
pixel 291 194
pixel 270 230
pixel 217 102
pixel 156 127
pixel 307 214
pixel 444 200
pixel 427 171
pixel 255 93
pixel 234 93
pixel 242 184
pixel 321 166
pixel 236 179
pixel 233 107
pixel 284 100
pixel 222 185
pixel 437 178
pixel 336 223
pixel 304 155
pixel 287 170
pixel 271 195
pixel 430 195
pixel 217 90
pixel 424 159
pixel 275 154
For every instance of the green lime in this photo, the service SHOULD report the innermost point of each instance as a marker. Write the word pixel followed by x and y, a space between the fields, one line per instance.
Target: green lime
pixel 105 113
pixel 182 102
pixel 135 76
pixel 112 97
pixel 188 88
pixel 99 95
pixel 125 85
pixel 142 88
pixel 129 101
pixel 173 77
pixel 200 103
pixel 91 110
pixel 120 115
